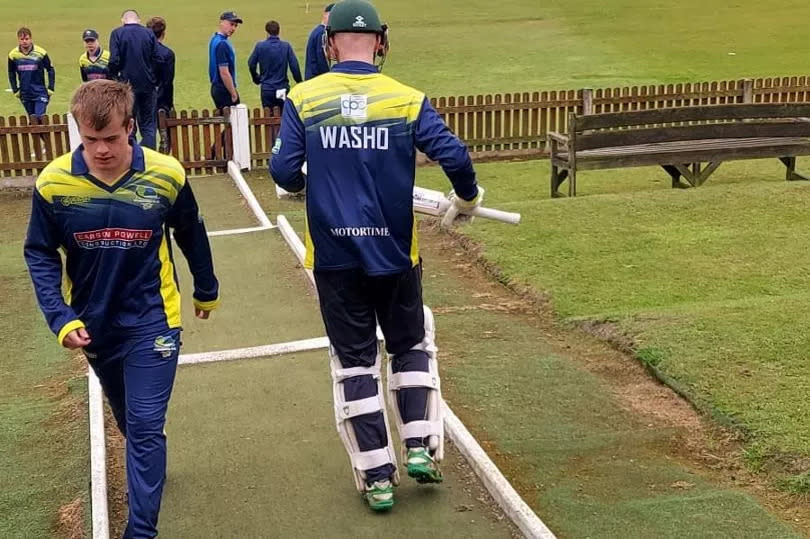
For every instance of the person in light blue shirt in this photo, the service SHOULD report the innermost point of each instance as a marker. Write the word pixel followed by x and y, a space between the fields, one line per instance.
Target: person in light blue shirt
pixel 222 62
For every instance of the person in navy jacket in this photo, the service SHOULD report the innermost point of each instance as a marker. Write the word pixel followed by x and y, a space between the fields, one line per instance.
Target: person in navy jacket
pixel 268 65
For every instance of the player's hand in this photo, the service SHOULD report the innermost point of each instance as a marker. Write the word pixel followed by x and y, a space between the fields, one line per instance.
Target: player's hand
pixel 234 97
pixel 78 338
pixel 201 314
pixel 17 94
pixel 459 207
pixel 50 93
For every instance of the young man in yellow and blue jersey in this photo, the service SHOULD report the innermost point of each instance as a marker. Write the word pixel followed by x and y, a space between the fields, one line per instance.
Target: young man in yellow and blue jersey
pixel 93 64
pixel 109 207
pixel 27 65
pixel 358 132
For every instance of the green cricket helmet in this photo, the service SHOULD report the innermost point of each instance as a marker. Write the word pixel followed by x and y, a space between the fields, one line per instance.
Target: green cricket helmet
pixel 356 16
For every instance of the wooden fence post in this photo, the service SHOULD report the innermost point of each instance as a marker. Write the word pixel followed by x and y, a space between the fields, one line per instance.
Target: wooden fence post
pixel 587 101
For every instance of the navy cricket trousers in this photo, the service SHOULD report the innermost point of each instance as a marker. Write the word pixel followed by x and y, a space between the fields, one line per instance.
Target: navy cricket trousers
pixel 146 117
pixel 137 376
pixel 352 303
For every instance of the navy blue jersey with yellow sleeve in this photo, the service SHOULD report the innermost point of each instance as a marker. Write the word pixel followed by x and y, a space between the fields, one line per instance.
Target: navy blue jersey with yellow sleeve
pixel 358 131
pixel 94 68
pixel 26 72
pixel 120 269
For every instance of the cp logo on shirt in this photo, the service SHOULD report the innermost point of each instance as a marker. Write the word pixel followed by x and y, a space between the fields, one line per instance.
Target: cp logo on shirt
pixel 354 106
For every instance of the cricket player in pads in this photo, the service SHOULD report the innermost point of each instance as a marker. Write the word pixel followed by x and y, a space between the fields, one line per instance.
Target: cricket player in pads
pixel 358 132
pixel 108 207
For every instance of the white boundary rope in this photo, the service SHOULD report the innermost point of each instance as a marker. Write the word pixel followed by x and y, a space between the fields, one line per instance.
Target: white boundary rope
pixel 241 184
pixel 498 486
pixel 255 351
pixel 98 459
pixel 235 231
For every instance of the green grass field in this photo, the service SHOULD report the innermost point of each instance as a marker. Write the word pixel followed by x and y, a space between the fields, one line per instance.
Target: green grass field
pixel 709 283
pixel 43 426
pixel 463 47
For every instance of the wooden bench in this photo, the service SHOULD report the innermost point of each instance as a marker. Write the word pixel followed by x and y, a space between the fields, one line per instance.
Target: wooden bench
pixel 686 141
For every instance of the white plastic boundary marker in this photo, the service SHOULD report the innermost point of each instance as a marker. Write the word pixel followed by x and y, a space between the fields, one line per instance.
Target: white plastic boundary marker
pixel 498 486
pixel 235 231
pixel 98 459
pixel 240 131
pixel 73 132
pixel 294 242
pixel 241 184
pixel 255 351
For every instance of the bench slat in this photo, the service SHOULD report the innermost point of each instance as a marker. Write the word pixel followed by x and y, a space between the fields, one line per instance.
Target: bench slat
pixel 689 152
pixel 731 130
pixel 691 114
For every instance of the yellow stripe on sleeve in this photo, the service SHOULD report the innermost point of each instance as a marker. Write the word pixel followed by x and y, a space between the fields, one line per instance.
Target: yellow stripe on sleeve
pixel 168 287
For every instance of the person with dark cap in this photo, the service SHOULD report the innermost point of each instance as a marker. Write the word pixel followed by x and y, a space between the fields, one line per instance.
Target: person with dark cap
pixel 274 57
pixel 358 131
pixel 94 62
pixel 316 57
pixel 222 62
pixel 165 91
pixel 134 59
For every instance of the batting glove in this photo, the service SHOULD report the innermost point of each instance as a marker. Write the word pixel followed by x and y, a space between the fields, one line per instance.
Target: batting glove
pixel 459 207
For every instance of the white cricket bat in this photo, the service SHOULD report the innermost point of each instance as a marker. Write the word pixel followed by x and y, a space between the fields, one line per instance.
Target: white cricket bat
pixel 432 202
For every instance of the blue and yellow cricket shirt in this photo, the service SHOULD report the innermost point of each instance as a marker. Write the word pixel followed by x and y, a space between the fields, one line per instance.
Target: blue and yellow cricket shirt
pixel 358 131
pixel 30 70
pixel 121 277
pixel 94 68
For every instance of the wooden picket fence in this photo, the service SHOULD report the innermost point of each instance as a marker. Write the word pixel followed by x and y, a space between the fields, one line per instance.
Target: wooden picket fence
pixel 495 127
pixel 264 126
pixel 28 144
pixel 200 140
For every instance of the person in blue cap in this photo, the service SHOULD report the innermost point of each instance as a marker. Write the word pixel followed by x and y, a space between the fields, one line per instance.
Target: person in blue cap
pixel 94 62
pixel 222 62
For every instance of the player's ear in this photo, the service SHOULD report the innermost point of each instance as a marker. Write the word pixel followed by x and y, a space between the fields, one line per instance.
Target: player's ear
pixel 130 127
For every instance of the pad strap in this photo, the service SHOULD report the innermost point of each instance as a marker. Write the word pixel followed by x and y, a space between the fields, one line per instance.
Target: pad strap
pixel 421 429
pixel 401 380
pixel 425 346
pixel 349 409
pixel 342 374
pixel 366 460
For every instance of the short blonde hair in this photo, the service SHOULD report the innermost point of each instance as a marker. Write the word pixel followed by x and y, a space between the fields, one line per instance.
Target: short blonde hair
pixel 98 101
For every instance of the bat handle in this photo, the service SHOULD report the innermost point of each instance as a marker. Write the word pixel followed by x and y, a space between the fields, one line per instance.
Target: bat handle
pixel 496 215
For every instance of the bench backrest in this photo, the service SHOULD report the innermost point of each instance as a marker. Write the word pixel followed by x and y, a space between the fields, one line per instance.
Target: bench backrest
pixel 689 123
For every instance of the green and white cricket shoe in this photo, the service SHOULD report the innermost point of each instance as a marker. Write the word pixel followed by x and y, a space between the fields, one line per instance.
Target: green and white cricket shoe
pixel 380 495
pixel 422 467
